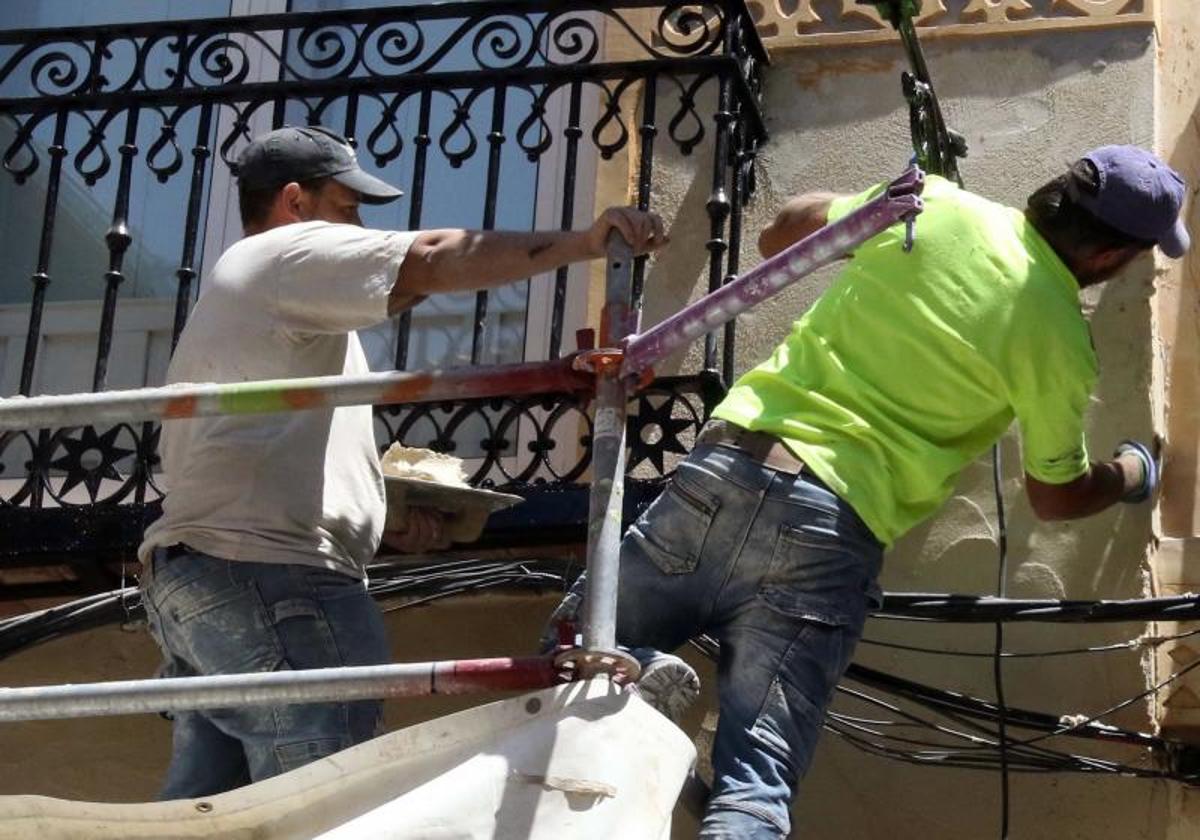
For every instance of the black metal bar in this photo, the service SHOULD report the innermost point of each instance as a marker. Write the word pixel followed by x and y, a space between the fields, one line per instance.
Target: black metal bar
pixel 647 131
pixel 186 273
pixel 117 239
pixel 41 275
pixel 572 132
pixel 495 148
pixel 553 75
pixel 717 205
pixel 742 160
pixel 307 20
pixel 937 147
pixel 350 123
pixel 416 202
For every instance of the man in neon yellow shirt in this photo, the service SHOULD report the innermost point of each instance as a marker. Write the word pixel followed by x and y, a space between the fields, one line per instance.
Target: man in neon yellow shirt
pixel 770 535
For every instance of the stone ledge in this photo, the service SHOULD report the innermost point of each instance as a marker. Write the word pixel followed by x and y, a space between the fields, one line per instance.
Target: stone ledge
pixel 787 24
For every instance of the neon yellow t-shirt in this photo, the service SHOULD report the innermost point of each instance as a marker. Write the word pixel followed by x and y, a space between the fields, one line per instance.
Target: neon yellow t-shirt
pixel 911 365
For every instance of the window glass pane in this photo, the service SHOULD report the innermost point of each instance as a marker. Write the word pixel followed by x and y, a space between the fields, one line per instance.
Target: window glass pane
pixel 79 254
pixel 87 191
pixel 34 14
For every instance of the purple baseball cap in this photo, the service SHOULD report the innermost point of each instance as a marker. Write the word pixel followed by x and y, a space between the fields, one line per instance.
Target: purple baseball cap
pixel 1139 195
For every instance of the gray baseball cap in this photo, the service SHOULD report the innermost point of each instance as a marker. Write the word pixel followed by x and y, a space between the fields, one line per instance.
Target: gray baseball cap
pixel 1139 195
pixel 295 153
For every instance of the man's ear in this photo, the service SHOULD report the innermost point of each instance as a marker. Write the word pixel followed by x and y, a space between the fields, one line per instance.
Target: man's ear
pixel 289 201
pixel 1103 264
pixel 1118 258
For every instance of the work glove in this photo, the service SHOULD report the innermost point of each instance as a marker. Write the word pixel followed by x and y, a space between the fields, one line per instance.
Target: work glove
pixel 1150 470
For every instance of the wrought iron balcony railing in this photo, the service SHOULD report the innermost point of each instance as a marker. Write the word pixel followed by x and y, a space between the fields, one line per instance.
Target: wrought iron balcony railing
pixel 475 99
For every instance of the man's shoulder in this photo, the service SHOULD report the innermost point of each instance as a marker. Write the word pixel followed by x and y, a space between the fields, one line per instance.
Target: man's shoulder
pixel 255 256
pixel 944 191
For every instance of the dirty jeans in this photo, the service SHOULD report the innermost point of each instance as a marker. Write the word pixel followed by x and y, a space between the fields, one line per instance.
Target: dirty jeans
pixel 782 573
pixel 214 616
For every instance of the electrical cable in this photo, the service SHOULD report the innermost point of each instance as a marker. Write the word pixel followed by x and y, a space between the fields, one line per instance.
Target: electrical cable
pixel 984 609
pixel 942 699
pixel 981 751
pixel 1131 644
pixel 998 650
pixel 1095 718
pixel 1045 757
pixel 17 632
pixel 963 734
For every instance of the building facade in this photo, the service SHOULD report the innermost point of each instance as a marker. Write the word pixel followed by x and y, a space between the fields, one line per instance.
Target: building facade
pixel 1029 83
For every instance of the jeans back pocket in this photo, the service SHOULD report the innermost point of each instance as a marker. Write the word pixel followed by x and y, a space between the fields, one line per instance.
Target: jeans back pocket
pixel 816 575
pixel 672 531
pixel 224 628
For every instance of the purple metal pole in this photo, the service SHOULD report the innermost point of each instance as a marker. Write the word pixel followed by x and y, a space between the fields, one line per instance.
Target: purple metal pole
pixel 899 201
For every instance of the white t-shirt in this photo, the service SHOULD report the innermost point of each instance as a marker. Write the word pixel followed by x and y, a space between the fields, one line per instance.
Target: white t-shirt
pixel 291 487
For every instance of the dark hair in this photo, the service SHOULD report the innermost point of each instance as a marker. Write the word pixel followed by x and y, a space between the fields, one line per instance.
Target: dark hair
pixel 255 202
pixel 1068 226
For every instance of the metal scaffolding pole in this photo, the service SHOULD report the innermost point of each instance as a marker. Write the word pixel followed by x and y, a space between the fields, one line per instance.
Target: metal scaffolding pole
pixel 609 371
pixel 900 201
pixel 466 676
pixel 174 402
pixel 608 455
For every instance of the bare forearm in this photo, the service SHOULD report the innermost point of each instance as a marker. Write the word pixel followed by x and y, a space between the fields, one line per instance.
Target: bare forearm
pixel 1105 484
pixel 800 217
pixel 461 260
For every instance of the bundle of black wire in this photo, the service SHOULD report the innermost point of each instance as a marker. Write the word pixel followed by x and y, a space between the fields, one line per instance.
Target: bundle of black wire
pixel 917 723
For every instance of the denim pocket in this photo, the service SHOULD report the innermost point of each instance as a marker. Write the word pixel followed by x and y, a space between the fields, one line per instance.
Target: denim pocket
pixel 814 575
pixel 672 531
pixel 305 637
pixel 224 631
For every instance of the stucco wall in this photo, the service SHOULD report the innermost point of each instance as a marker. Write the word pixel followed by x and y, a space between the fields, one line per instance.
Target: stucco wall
pixel 1027 105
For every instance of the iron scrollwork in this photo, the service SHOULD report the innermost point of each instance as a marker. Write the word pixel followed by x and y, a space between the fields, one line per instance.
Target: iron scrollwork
pixel 407 84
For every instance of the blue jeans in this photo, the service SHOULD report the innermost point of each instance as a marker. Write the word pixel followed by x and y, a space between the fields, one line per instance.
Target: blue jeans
pixel 782 573
pixel 214 616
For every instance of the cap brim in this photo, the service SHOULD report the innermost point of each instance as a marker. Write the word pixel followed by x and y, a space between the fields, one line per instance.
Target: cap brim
pixel 372 190
pixel 1175 243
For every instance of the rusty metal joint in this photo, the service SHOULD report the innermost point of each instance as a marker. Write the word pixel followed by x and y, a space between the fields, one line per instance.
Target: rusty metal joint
pixel 606 361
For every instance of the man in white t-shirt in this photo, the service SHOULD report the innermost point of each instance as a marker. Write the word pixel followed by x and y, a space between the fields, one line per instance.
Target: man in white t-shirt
pixel 258 561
